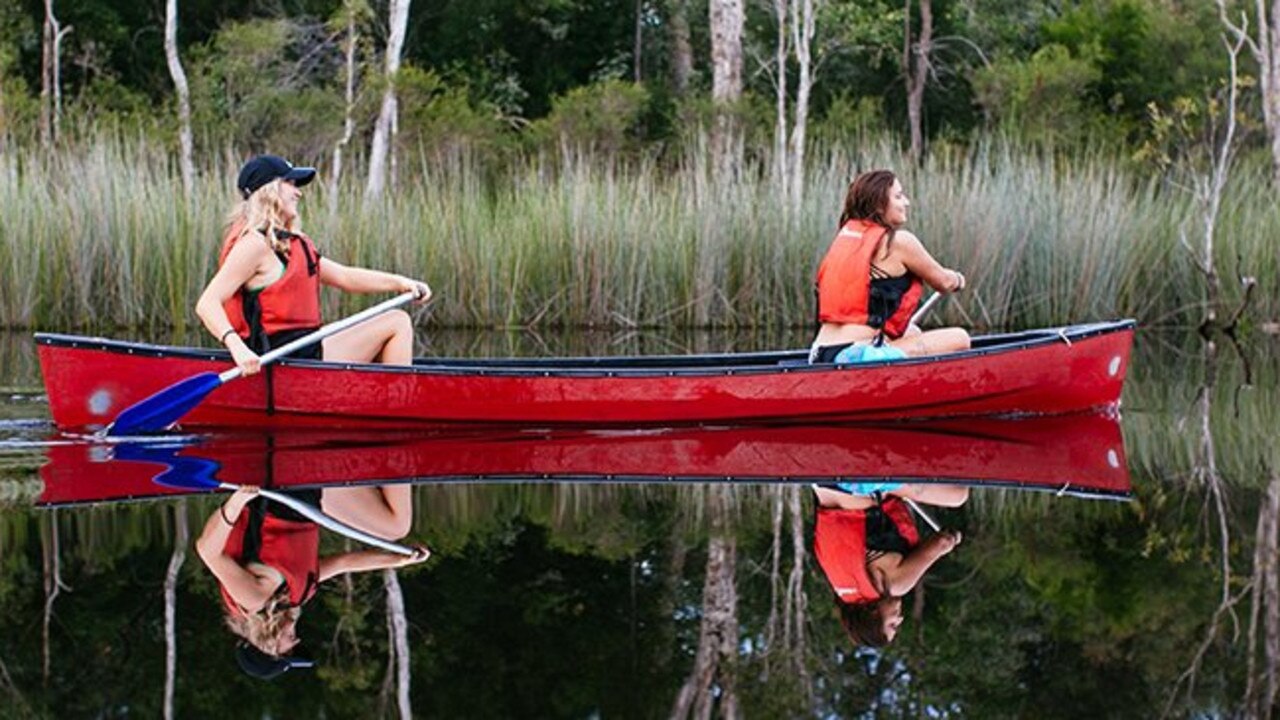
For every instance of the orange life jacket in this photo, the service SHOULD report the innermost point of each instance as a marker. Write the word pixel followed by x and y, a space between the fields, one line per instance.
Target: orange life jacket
pixel 840 545
pixel 845 285
pixel 291 302
pixel 290 546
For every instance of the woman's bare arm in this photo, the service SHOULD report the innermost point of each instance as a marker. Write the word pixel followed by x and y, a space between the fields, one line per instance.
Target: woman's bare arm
pixel 917 259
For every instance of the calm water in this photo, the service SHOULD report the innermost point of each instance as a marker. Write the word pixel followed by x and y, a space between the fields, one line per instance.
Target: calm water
pixel 577 598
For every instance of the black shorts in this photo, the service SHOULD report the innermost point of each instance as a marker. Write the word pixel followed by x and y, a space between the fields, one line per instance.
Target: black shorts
pixel 828 353
pixel 314 351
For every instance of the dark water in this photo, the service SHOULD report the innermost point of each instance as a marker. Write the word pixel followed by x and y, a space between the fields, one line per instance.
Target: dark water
pixel 570 596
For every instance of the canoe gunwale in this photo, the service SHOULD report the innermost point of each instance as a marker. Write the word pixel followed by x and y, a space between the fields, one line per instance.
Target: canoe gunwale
pixel 722 364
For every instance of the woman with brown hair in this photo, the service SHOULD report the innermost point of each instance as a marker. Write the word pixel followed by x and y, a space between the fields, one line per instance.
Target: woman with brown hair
pixel 871 553
pixel 266 291
pixel 872 277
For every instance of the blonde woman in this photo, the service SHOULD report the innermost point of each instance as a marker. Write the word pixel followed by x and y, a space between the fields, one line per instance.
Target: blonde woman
pixel 266 559
pixel 267 288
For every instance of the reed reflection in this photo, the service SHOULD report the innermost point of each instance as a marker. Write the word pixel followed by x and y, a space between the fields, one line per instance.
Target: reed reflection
pixel 265 555
pixel 872 553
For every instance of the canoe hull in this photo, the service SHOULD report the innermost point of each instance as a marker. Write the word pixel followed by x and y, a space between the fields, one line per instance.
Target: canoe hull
pixel 90 381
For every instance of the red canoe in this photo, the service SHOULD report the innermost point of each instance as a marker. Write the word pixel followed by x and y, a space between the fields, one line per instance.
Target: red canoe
pixel 1074 454
pixel 1054 371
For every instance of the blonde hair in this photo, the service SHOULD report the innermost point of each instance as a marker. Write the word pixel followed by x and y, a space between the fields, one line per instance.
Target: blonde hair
pixel 262 629
pixel 263 212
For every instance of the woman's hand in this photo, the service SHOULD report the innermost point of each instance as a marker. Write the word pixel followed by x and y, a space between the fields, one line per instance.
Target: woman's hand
pixel 244 358
pixel 945 541
pixel 421 291
pixel 234 505
pixel 420 555
pixel 960 281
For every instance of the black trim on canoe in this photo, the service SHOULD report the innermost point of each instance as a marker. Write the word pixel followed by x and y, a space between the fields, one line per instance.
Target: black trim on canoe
pixel 643 365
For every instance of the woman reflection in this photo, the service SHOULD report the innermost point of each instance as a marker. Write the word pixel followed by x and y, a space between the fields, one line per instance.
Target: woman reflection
pixel 268 565
pixel 867 545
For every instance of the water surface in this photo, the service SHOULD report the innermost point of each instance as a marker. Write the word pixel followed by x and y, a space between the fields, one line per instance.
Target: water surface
pixel 569 596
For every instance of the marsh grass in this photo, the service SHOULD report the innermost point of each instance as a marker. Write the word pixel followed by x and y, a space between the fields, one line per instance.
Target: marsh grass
pixel 105 237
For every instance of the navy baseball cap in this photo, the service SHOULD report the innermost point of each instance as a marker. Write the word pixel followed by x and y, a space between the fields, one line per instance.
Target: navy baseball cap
pixel 264 168
pixel 258 664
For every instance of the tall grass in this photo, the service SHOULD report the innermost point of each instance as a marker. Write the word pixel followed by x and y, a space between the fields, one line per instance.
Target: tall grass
pixel 105 237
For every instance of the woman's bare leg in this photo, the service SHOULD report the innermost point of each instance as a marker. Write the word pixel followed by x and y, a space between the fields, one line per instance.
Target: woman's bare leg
pixel 933 342
pixel 387 338
pixel 385 511
pixel 939 495
pixel 828 498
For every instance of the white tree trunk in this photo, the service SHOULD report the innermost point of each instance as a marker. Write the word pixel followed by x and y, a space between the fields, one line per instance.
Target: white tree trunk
pixel 803 28
pixel 180 534
pixel 348 119
pixel 398 627
pixel 185 160
pixel 384 130
pixel 915 64
pixel 48 75
pixel 781 167
pixel 727 18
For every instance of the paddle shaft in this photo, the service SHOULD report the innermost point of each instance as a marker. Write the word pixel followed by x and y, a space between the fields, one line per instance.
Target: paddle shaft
pixel 920 511
pixel 925 308
pixel 324 332
pixel 316 516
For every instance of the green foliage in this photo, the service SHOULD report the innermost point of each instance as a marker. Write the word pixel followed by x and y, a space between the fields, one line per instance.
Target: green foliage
pixel 268 84
pixel 441 120
pixel 603 118
pixel 1041 98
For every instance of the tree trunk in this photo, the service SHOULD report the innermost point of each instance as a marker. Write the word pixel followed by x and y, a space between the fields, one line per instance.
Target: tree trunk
pixel 915 65
pixel 185 159
pixel 384 130
pixel 53 585
pixel 1267 53
pixel 718 636
pixel 348 118
pixel 727 18
pixel 47 36
pixel 681 47
pixel 180 534
pixel 781 166
pixel 398 628
pixel 803 27
pixel 637 52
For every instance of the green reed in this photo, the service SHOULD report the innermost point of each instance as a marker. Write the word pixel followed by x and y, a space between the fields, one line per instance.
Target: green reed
pixel 106 237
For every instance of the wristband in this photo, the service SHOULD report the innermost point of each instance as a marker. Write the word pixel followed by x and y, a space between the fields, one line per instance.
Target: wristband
pixel 223 338
pixel 222 510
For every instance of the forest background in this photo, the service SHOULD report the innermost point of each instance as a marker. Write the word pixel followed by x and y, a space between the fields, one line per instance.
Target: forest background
pixel 644 162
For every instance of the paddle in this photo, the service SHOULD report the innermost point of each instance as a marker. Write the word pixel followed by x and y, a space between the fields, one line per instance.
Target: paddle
pixel 920 511
pixel 190 472
pixel 165 407
pixel 924 309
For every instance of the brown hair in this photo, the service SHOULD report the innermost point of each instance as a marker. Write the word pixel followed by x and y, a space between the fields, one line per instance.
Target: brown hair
pixel 863 623
pixel 868 199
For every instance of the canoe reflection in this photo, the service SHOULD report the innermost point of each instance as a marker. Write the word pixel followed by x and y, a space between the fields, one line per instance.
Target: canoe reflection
pixel 1081 454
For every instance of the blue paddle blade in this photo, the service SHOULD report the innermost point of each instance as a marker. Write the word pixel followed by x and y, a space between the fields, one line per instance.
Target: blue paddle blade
pixel 165 407
pixel 185 473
